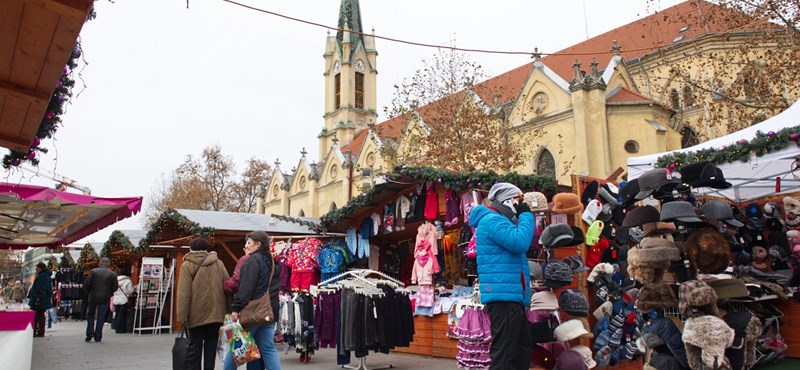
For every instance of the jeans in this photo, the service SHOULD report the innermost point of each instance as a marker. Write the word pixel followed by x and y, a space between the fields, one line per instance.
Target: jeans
pixel 204 345
pixel 264 336
pixel 92 329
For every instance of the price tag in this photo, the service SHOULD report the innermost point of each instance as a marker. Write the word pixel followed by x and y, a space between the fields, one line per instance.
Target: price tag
pixel 558 218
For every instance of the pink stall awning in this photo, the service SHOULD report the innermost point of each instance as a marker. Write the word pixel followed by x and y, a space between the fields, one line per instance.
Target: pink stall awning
pixel 38 216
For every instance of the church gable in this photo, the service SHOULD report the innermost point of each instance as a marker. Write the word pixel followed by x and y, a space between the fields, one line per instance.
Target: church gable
pixel 369 156
pixel 301 180
pixel 276 185
pixel 333 167
pixel 543 93
pixel 616 75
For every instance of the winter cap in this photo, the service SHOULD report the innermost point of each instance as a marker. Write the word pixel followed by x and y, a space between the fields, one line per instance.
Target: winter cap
pixel 567 203
pixel 753 210
pixel 772 210
pixel 606 197
pixel 655 250
pixel 600 268
pixel 588 357
pixel 603 357
pixel 577 236
pixel 759 253
pixel 571 360
pixel 593 209
pixel 503 191
pixel 594 232
pixel 703 173
pixel 542 357
pixel 640 216
pixel 719 210
pixel 604 310
pixel 705 339
pixel 557 274
pixel 536 200
pixel 653 180
pixel 628 192
pixel 729 288
pixel 199 244
pixel 572 329
pixel 556 235
pixel 696 298
pixel 655 296
pixel 536 270
pixel 575 263
pixel 678 210
pixel 708 250
pixel 545 301
pixel 573 302
pixel 589 192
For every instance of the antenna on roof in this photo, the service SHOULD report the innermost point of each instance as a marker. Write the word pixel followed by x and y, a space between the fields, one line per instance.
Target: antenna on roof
pixel 585 20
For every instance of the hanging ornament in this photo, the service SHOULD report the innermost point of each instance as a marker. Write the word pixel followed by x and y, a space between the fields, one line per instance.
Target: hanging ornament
pixel 771 133
pixel 742 141
pixel 794 137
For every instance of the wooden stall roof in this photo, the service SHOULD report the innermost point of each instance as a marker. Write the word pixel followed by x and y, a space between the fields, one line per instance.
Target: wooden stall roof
pixel 36 40
pixel 385 192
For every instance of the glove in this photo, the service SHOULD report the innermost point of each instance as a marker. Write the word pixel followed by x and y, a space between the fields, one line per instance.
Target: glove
pixel 522 207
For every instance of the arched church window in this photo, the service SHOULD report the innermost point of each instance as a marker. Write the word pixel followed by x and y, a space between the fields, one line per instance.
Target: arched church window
pixel 302 213
pixel 333 206
pixel 546 164
pixel 337 91
pixel 359 90
pixel 674 99
pixel 688 96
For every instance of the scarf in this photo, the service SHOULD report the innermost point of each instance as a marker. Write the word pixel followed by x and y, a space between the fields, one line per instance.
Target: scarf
pixel 504 210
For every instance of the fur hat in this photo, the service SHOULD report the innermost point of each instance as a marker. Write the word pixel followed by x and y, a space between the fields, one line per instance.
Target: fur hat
pixel 658 229
pixel 652 272
pixel 567 203
pixel 708 250
pixel 656 250
pixel 705 339
pixel 696 298
pixel 536 200
pixel 655 296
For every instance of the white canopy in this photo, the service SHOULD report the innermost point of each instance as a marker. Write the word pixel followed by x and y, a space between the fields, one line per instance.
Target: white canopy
pixel 753 179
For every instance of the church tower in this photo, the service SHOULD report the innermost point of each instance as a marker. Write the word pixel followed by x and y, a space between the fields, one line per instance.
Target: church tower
pixel 350 80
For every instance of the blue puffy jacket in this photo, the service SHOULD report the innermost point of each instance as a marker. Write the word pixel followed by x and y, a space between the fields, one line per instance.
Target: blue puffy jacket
pixel 502 266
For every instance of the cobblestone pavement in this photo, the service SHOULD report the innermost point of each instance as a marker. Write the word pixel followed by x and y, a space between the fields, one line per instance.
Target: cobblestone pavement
pixel 63 347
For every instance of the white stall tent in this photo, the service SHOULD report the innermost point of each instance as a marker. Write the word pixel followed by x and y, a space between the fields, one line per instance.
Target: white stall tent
pixel 752 179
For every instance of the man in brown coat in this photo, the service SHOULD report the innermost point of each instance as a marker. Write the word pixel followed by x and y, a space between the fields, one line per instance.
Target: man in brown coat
pixel 201 302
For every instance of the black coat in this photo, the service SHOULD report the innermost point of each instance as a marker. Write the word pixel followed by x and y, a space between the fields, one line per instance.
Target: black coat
pixel 100 285
pixel 41 293
pixel 253 277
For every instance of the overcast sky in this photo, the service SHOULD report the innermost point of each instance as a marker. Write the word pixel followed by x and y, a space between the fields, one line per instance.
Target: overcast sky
pixel 163 81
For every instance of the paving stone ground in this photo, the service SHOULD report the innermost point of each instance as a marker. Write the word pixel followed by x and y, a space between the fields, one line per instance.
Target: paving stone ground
pixel 63 347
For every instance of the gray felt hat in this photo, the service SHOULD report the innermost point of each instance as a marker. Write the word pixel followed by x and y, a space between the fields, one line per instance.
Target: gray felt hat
pixel 678 210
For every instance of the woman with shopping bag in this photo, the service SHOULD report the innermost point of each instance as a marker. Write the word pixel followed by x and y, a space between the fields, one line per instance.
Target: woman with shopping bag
pixel 259 275
pixel 201 302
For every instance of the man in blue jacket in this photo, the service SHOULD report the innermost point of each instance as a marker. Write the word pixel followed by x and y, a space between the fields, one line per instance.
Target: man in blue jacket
pixel 504 233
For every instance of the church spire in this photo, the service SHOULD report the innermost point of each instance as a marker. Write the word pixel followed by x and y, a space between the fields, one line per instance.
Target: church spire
pixel 350 18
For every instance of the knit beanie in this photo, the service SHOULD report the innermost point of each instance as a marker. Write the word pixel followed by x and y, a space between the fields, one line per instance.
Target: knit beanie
pixel 594 232
pixel 592 211
pixel 199 244
pixel 545 301
pixel 705 339
pixel 696 298
pixel 573 302
pixel 536 200
pixel 557 274
pixel 503 191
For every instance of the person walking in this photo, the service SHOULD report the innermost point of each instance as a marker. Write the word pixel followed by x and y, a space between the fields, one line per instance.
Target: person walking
pixel 18 292
pixel 201 302
pixel 100 285
pixel 504 233
pixel 7 289
pixel 121 296
pixel 254 277
pixel 40 297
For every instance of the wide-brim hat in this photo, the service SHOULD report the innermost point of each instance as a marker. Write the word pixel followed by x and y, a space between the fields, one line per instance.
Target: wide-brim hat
pixel 572 329
pixel 708 250
pixel 567 203
pixel 641 215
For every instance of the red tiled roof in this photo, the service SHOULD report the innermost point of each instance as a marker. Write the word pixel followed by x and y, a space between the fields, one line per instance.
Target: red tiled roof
pixel 624 95
pixel 392 129
pixel 636 39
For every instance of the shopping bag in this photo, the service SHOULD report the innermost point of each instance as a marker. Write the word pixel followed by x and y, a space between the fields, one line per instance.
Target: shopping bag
pixel 225 332
pixel 180 349
pixel 243 347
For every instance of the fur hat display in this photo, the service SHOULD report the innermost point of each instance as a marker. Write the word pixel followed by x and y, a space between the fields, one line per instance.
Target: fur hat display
pixel 656 296
pixel 708 250
pixel 536 200
pixel 653 272
pixel 656 250
pixel 792 208
pixel 573 302
pixel 705 339
pixel 567 203
pixel 696 298
pixel 593 209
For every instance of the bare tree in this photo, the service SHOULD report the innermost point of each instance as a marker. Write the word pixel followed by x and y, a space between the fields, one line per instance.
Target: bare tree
pixel 254 179
pixel 452 124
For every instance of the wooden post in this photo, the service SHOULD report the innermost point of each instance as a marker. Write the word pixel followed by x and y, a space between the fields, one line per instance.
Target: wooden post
pixel 176 277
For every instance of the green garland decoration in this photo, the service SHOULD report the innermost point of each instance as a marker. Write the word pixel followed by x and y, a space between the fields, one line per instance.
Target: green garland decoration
pixel 88 254
pixel 66 260
pixel 739 151
pixel 450 180
pixel 185 225
pixel 117 239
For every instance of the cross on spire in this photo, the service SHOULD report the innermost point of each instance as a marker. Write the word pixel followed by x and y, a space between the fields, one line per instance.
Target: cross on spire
pixel 536 54
pixel 277 162
pixel 615 47
pixel 335 140
pixel 303 152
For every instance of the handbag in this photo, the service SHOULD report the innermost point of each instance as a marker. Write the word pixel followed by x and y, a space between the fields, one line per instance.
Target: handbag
pixel 180 349
pixel 259 311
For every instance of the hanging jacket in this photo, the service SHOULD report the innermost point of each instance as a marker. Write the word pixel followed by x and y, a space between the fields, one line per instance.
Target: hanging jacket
pixel 427 231
pixel 502 266
pixel 431 202
pixel 330 260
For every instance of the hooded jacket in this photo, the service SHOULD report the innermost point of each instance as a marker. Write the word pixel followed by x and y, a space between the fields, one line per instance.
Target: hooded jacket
pixel 502 265
pixel 124 291
pixel 201 300
pixel 662 330
pixel 42 291
pixel 253 279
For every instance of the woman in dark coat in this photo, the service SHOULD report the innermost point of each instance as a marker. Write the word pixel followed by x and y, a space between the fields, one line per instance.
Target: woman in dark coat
pixel 41 297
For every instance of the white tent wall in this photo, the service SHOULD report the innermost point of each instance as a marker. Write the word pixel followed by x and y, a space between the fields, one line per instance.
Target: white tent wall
pixel 753 179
